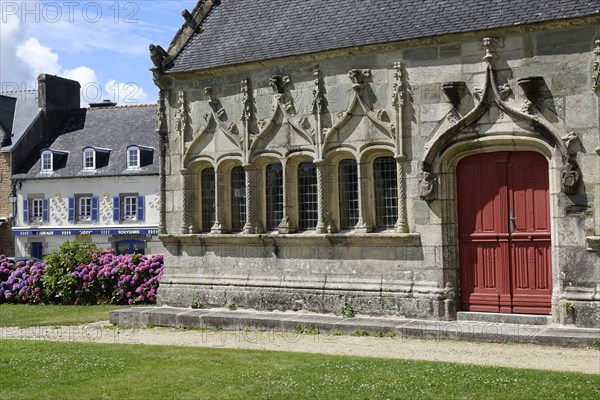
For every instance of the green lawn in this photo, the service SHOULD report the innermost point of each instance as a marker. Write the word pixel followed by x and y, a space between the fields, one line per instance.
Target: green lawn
pixel 47 370
pixel 24 316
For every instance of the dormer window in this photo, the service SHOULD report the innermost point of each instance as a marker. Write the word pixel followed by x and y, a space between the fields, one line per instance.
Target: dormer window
pixel 89 159
pixel 133 157
pixel 47 164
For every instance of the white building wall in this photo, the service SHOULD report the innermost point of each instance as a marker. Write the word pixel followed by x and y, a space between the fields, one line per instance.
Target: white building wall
pixel 55 231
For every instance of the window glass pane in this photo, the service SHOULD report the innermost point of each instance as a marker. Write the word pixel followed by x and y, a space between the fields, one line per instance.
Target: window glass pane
pixel 88 159
pixel 133 158
pixel 307 195
pixel 130 207
pixel 348 192
pixel 36 210
pixel 238 199
pixel 208 199
pixel 85 208
pixel 47 161
pixel 274 195
pixel 386 191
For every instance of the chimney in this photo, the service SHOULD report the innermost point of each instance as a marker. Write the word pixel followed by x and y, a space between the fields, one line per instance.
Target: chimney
pixel 104 103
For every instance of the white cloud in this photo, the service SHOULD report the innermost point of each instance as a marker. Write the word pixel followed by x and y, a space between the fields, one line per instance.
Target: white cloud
pixel 14 72
pixel 38 58
pixel 126 93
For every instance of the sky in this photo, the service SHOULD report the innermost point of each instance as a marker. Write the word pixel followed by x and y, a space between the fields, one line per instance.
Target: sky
pixel 101 44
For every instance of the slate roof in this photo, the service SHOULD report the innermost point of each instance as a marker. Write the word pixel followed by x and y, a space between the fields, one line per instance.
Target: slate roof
pixel 114 128
pixel 238 31
pixel 18 110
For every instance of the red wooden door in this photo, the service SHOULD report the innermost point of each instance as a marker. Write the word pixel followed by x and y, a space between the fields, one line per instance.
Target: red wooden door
pixel 504 233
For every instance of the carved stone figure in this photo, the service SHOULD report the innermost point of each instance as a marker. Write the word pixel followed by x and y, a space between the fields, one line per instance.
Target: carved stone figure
pixel 428 186
pixel 570 177
pixel 359 77
pixel 158 56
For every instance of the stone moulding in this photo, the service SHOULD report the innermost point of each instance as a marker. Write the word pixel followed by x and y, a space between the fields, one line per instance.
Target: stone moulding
pixel 405 239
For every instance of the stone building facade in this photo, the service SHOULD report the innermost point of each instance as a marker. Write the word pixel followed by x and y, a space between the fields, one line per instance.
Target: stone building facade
pixel 439 168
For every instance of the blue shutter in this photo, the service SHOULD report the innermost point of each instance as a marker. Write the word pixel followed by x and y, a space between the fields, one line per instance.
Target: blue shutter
pixel 45 211
pixel 25 211
pixel 116 209
pixel 140 208
pixel 95 202
pixel 71 209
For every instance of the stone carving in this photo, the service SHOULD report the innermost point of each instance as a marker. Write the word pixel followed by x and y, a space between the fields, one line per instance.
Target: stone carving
pixel 490 45
pixel 398 87
pixel 161 114
pixel 158 56
pixel 505 91
pixel 279 84
pixel 319 102
pixel 182 117
pixel 572 142
pixel 247 100
pixel 596 68
pixel 428 186
pixel 215 104
pixel 359 77
pixel 570 177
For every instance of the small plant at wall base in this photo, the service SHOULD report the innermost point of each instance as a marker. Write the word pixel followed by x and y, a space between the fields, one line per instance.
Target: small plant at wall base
pixel 197 304
pixel 347 311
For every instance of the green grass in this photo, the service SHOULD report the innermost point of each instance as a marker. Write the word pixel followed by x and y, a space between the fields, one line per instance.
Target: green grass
pixel 24 316
pixel 47 370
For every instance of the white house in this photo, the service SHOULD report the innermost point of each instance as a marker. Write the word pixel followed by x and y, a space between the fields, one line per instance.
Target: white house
pixel 94 179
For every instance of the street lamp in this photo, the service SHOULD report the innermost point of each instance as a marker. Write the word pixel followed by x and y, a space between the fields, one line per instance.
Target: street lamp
pixel 12 199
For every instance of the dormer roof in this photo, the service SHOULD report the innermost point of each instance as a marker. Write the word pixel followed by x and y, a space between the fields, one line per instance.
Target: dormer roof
pixel 109 131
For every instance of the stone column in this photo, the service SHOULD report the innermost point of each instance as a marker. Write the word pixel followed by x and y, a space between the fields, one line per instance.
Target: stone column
pixel 321 210
pixel 402 223
pixel 162 194
pixel 249 227
pixel 186 206
pixel 361 226
pixel 217 227
pixel 286 225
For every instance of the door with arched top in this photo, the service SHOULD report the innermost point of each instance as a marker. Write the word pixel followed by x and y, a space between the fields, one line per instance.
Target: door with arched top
pixel 504 233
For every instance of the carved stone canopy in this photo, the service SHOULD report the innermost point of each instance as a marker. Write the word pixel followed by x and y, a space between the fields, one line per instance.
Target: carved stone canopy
pixel 531 86
pixel 454 91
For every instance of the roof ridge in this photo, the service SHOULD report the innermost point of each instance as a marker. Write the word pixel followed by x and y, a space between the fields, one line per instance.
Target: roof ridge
pixel 126 106
pixel 20 91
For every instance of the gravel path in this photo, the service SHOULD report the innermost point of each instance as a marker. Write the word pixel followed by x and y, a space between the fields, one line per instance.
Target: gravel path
pixel 505 355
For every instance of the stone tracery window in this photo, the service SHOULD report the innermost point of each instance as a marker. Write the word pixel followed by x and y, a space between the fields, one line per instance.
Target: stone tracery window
pixel 348 193
pixel 307 196
pixel 208 198
pixel 238 199
pixel 274 195
pixel 386 192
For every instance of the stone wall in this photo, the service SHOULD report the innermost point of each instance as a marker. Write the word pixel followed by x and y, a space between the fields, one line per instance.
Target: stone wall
pixel 6 240
pixel 352 103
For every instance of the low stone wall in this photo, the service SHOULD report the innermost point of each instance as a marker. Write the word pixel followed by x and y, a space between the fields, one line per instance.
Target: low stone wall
pixel 371 274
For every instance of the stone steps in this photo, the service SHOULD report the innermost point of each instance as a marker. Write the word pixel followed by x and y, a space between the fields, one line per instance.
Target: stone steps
pixel 474 331
pixel 499 318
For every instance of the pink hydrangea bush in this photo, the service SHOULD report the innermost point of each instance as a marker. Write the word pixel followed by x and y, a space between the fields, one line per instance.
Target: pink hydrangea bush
pixel 125 279
pixel 21 282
